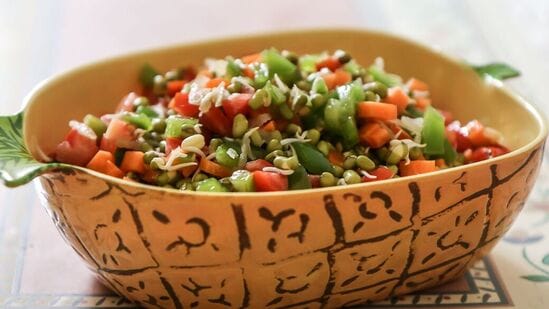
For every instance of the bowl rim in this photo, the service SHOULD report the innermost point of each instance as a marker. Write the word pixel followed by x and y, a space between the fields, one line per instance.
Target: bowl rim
pixel 29 100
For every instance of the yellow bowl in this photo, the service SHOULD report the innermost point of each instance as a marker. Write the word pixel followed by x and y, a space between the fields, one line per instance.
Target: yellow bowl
pixel 323 247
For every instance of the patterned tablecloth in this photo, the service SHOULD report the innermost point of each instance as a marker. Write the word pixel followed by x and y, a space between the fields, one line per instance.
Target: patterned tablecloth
pixel 37 269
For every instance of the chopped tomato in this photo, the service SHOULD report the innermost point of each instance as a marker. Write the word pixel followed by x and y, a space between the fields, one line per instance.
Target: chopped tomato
pixel 315 181
pixel 77 148
pixel 216 121
pixel 119 130
pixel 237 103
pixel 458 136
pixel 267 181
pixel 172 143
pixel 174 87
pixel 484 153
pixel 329 62
pixel 257 165
pixel 180 103
pixel 380 173
pixel 126 104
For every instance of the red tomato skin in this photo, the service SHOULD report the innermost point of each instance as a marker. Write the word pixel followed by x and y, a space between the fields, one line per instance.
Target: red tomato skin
pixel 381 173
pixel 268 182
pixel 172 143
pixel 119 130
pixel 182 106
pixel 76 149
pixel 237 104
pixel 126 104
pixel 257 165
pixel 217 122
pixel 485 153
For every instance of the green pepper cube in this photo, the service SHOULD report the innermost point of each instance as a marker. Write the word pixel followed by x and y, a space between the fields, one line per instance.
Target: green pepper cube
pixel 242 181
pixel 433 132
pixel 210 185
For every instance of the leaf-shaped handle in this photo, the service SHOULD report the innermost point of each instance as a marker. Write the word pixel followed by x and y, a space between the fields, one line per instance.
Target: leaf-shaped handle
pixel 17 166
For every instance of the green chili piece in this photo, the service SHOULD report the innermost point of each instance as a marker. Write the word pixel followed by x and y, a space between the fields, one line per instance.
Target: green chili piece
pixel 233 69
pixel 147 111
pixel 138 120
pixel 278 64
pixel 433 132
pixel 319 86
pixel 210 185
pixel 450 154
pixel 176 125
pixel 389 80
pixel 147 74
pixel 96 124
pixel 313 160
pixel 242 181
pixel 299 179
pixel 227 155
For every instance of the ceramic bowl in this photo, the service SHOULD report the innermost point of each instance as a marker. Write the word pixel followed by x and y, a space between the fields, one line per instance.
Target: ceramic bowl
pixel 325 247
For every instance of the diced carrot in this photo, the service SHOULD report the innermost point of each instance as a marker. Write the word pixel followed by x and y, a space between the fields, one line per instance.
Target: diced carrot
pixel 174 87
pixel 99 160
pixel 377 110
pixel 214 169
pixel 251 58
pixel 248 72
pixel 417 167
pixel 338 78
pixel 415 84
pixel 103 162
pixel 374 135
pixel 112 170
pixel 329 62
pixel 188 170
pixel 335 157
pixel 440 163
pixel 214 82
pixel 270 126
pixel 133 162
pixel 398 97
pixel 422 103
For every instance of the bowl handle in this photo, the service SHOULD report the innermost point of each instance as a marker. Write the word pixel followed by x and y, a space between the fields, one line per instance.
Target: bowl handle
pixel 17 165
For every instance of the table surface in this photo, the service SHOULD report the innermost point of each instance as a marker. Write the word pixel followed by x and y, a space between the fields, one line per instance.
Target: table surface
pixel 39 38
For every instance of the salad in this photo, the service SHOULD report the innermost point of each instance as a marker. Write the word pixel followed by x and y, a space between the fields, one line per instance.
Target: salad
pixel 275 121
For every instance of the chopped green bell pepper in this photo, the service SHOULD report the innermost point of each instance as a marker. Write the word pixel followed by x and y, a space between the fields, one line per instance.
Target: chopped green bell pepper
pixel 278 64
pixel 433 132
pixel 311 159
pixel 176 125
pixel 138 120
pixel 147 74
pixel 242 181
pixel 299 179
pixel 210 185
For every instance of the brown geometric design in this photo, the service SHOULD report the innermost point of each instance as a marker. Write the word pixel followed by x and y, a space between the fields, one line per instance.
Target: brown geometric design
pixel 342 247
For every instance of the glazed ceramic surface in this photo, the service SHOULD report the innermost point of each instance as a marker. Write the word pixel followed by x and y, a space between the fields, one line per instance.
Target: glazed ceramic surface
pixel 312 248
